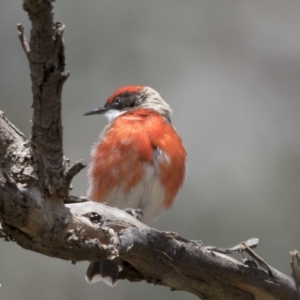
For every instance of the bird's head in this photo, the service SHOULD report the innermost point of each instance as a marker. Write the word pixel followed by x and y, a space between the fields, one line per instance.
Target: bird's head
pixel 132 97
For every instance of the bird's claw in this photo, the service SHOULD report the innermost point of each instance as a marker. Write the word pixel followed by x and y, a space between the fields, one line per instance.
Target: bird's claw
pixel 136 213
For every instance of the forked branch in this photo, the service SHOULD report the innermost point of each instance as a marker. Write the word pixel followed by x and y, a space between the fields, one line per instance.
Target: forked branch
pixel 35 184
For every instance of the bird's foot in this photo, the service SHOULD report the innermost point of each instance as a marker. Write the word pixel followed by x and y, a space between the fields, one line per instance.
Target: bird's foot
pixel 136 213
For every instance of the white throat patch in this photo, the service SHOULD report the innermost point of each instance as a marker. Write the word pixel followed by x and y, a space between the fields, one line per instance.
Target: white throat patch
pixel 112 114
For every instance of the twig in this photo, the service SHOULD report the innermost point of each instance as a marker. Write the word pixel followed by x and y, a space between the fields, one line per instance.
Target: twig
pixel 74 170
pixel 262 262
pixel 251 243
pixel 23 40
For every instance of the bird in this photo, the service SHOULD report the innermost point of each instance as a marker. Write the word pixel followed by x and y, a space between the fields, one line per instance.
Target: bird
pixel 138 162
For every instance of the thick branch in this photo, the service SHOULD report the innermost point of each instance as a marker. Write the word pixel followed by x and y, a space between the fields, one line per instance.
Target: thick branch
pixel 47 63
pixel 93 231
pixel 180 264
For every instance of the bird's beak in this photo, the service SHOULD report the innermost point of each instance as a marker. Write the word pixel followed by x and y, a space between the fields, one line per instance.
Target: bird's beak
pixel 100 110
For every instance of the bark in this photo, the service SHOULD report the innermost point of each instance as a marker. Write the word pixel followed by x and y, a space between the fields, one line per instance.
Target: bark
pixel 34 192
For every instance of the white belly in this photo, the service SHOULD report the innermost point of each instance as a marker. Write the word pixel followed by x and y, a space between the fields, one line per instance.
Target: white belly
pixel 148 195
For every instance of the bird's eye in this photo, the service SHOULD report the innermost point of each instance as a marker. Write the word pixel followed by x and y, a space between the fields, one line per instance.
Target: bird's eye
pixel 117 101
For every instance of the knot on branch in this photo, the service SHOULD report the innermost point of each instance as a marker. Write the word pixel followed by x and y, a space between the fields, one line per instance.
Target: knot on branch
pixel 95 218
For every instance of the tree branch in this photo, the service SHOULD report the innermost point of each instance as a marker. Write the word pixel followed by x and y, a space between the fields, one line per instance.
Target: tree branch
pixel 93 231
pixel 35 184
pixel 47 64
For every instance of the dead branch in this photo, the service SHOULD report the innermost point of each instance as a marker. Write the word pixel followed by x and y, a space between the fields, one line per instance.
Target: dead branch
pixel 86 230
pixel 35 184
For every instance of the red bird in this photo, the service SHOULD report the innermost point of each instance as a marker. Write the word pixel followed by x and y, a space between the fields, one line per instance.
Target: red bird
pixel 138 161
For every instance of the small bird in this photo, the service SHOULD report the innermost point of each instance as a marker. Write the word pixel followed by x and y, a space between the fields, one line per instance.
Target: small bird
pixel 138 161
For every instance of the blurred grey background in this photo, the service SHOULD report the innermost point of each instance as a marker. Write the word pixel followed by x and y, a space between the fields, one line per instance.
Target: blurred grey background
pixel 231 72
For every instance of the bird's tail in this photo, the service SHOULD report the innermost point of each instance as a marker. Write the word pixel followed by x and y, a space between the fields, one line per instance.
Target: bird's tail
pixel 106 270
